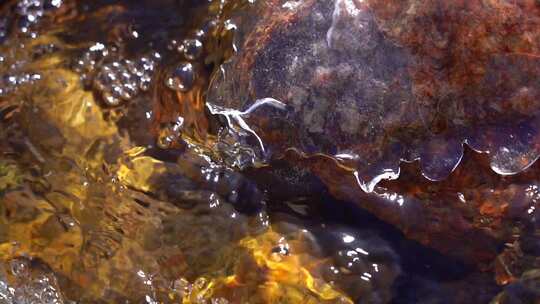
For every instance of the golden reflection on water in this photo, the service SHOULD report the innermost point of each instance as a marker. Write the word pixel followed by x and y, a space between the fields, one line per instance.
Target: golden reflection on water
pixel 89 229
pixel 78 203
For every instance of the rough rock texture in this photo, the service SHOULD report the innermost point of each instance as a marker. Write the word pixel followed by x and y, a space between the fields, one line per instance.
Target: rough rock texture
pixel 370 84
pixel 470 215
pixel 375 82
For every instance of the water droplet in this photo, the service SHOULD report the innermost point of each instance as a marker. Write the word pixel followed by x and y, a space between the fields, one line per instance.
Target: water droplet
pixel 182 78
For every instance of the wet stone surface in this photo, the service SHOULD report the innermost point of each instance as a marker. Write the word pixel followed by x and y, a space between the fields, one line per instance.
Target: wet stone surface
pixel 372 83
pixel 376 85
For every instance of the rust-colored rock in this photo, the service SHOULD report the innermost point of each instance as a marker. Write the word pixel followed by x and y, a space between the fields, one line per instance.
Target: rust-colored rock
pixel 470 215
pixel 368 85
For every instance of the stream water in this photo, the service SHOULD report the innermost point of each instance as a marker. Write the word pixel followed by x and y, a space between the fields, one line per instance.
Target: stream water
pixel 100 203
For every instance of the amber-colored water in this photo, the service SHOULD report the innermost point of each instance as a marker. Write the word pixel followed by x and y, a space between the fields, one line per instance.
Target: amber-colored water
pixel 99 203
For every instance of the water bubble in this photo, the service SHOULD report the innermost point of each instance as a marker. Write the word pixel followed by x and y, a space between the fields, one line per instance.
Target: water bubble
pixel 182 287
pixel 134 68
pixel 173 45
pixel 9 83
pixel 182 78
pixel 49 295
pixel 52 4
pixel 156 56
pixel 90 59
pixel 208 29
pixel 30 284
pixel 199 34
pixel 147 64
pixel 44 49
pixel 131 88
pixel 10 80
pixel 110 99
pixel 124 79
pixel 170 134
pixel 30 7
pixel 144 85
pixel 31 11
pixel 119 91
pixel 192 48
pixel 19 267
pixel 200 283
pixel 124 74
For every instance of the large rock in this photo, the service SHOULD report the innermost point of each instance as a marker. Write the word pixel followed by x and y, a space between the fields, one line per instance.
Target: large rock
pixel 354 89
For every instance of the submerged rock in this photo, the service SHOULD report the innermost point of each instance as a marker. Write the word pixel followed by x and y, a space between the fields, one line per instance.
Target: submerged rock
pixel 362 87
pixel 372 83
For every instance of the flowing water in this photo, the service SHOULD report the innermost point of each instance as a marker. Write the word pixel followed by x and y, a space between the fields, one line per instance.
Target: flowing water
pixel 100 203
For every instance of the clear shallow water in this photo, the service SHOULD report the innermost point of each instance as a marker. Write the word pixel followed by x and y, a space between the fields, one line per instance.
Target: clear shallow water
pixel 102 204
